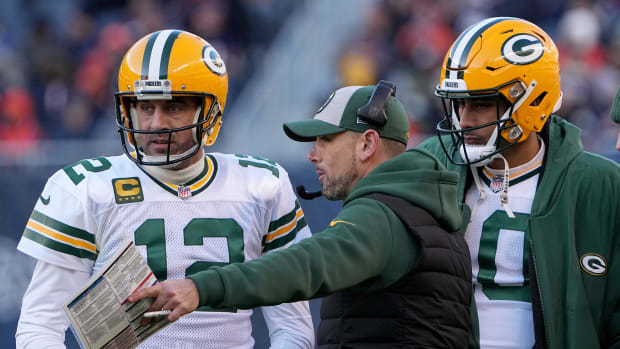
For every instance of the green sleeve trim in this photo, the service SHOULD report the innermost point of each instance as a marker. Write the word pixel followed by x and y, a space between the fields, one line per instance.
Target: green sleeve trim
pixel 58 246
pixel 285 239
pixel 284 220
pixel 62 227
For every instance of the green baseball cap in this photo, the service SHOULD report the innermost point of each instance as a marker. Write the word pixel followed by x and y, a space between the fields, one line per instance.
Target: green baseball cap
pixel 615 109
pixel 340 113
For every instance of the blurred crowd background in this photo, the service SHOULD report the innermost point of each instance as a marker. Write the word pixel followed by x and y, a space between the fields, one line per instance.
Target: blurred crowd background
pixel 406 41
pixel 59 59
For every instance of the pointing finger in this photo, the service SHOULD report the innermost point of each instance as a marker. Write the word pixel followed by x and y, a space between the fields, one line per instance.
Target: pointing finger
pixel 149 292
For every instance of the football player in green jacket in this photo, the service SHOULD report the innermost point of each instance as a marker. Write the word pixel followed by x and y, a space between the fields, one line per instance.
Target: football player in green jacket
pixel 544 231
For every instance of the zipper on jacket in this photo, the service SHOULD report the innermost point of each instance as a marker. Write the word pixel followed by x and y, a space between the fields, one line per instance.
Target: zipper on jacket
pixel 540 298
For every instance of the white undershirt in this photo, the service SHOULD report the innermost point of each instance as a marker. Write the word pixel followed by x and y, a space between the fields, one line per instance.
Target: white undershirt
pixel 177 177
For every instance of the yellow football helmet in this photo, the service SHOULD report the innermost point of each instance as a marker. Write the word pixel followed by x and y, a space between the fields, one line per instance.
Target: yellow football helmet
pixel 507 58
pixel 164 64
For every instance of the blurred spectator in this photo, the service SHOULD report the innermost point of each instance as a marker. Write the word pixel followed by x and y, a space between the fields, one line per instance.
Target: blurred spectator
pixel 225 25
pixel 358 68
pixel 18 125
pixel 67 54
pixel 147 16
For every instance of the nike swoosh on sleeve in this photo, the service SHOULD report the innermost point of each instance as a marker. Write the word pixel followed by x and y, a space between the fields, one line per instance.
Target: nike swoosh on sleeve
pixel 44 200
pixel 332 223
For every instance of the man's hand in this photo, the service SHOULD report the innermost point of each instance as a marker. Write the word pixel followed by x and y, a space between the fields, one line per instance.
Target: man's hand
pixel 180 296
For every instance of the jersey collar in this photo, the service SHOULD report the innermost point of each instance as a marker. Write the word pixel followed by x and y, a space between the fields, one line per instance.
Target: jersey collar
pixel 194 186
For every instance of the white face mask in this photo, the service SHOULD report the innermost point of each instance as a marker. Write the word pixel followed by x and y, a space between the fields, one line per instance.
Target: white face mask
pixel 474 152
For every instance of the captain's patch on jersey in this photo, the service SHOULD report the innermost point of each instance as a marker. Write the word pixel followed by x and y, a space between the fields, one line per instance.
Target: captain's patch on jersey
pixel 593 264
pixel 127 190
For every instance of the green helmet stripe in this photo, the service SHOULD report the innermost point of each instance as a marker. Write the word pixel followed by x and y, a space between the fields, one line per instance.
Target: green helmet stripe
pixel 146 58
pixel 165 55
pixel 465 41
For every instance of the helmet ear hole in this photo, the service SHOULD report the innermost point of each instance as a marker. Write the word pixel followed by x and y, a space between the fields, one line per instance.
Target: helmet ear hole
pixel 539 99
pixel 212 132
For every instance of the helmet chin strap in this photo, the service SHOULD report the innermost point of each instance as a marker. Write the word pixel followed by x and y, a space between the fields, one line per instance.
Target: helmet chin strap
pixel 472 153
pixel 162 158
pixel 477 152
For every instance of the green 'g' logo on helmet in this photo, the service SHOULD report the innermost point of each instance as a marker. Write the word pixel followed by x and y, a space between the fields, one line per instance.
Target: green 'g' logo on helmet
pixel 213 60
pixel 522 49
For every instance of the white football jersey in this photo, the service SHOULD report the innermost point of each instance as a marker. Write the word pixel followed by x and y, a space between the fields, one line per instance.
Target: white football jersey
pixel 499 250
pixel 237 209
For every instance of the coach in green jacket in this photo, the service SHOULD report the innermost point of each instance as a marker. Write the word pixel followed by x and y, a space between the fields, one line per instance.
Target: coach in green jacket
pixel 544 234
pixel 395 273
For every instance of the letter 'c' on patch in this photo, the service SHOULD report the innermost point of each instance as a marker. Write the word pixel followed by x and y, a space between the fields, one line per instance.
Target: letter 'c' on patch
pixel 593 264
pixel 127 190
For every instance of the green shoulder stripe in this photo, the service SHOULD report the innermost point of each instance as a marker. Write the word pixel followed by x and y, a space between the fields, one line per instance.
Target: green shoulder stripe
pixel 285 239
pixel 62 227
pixel 58 246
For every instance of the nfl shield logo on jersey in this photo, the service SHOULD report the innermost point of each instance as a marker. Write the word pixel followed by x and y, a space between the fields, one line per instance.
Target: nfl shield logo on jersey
pixel 496 184
pixel 184 192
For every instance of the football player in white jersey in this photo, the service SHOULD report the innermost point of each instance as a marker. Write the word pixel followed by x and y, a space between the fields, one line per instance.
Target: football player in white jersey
pixel 185 209
pixel 544 221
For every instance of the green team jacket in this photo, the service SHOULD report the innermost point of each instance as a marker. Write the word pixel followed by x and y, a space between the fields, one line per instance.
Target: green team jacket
pixel 366 247
pixel 575 219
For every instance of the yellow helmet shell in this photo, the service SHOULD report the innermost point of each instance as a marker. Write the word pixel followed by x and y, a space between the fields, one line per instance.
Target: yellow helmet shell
pixel 507 56
pixel 175 62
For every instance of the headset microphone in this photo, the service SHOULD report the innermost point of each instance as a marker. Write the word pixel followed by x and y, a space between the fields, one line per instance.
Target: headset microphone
pixel 301 191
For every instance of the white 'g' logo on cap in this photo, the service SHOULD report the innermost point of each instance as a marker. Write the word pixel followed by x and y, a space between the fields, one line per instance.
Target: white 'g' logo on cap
pixel 593 264
pixel 213 60
pixel 522 49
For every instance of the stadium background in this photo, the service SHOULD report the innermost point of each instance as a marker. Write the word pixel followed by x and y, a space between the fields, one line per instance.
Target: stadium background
pixel 58 61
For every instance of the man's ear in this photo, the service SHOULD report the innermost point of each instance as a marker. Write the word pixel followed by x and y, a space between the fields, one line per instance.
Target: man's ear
pixel 369 144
